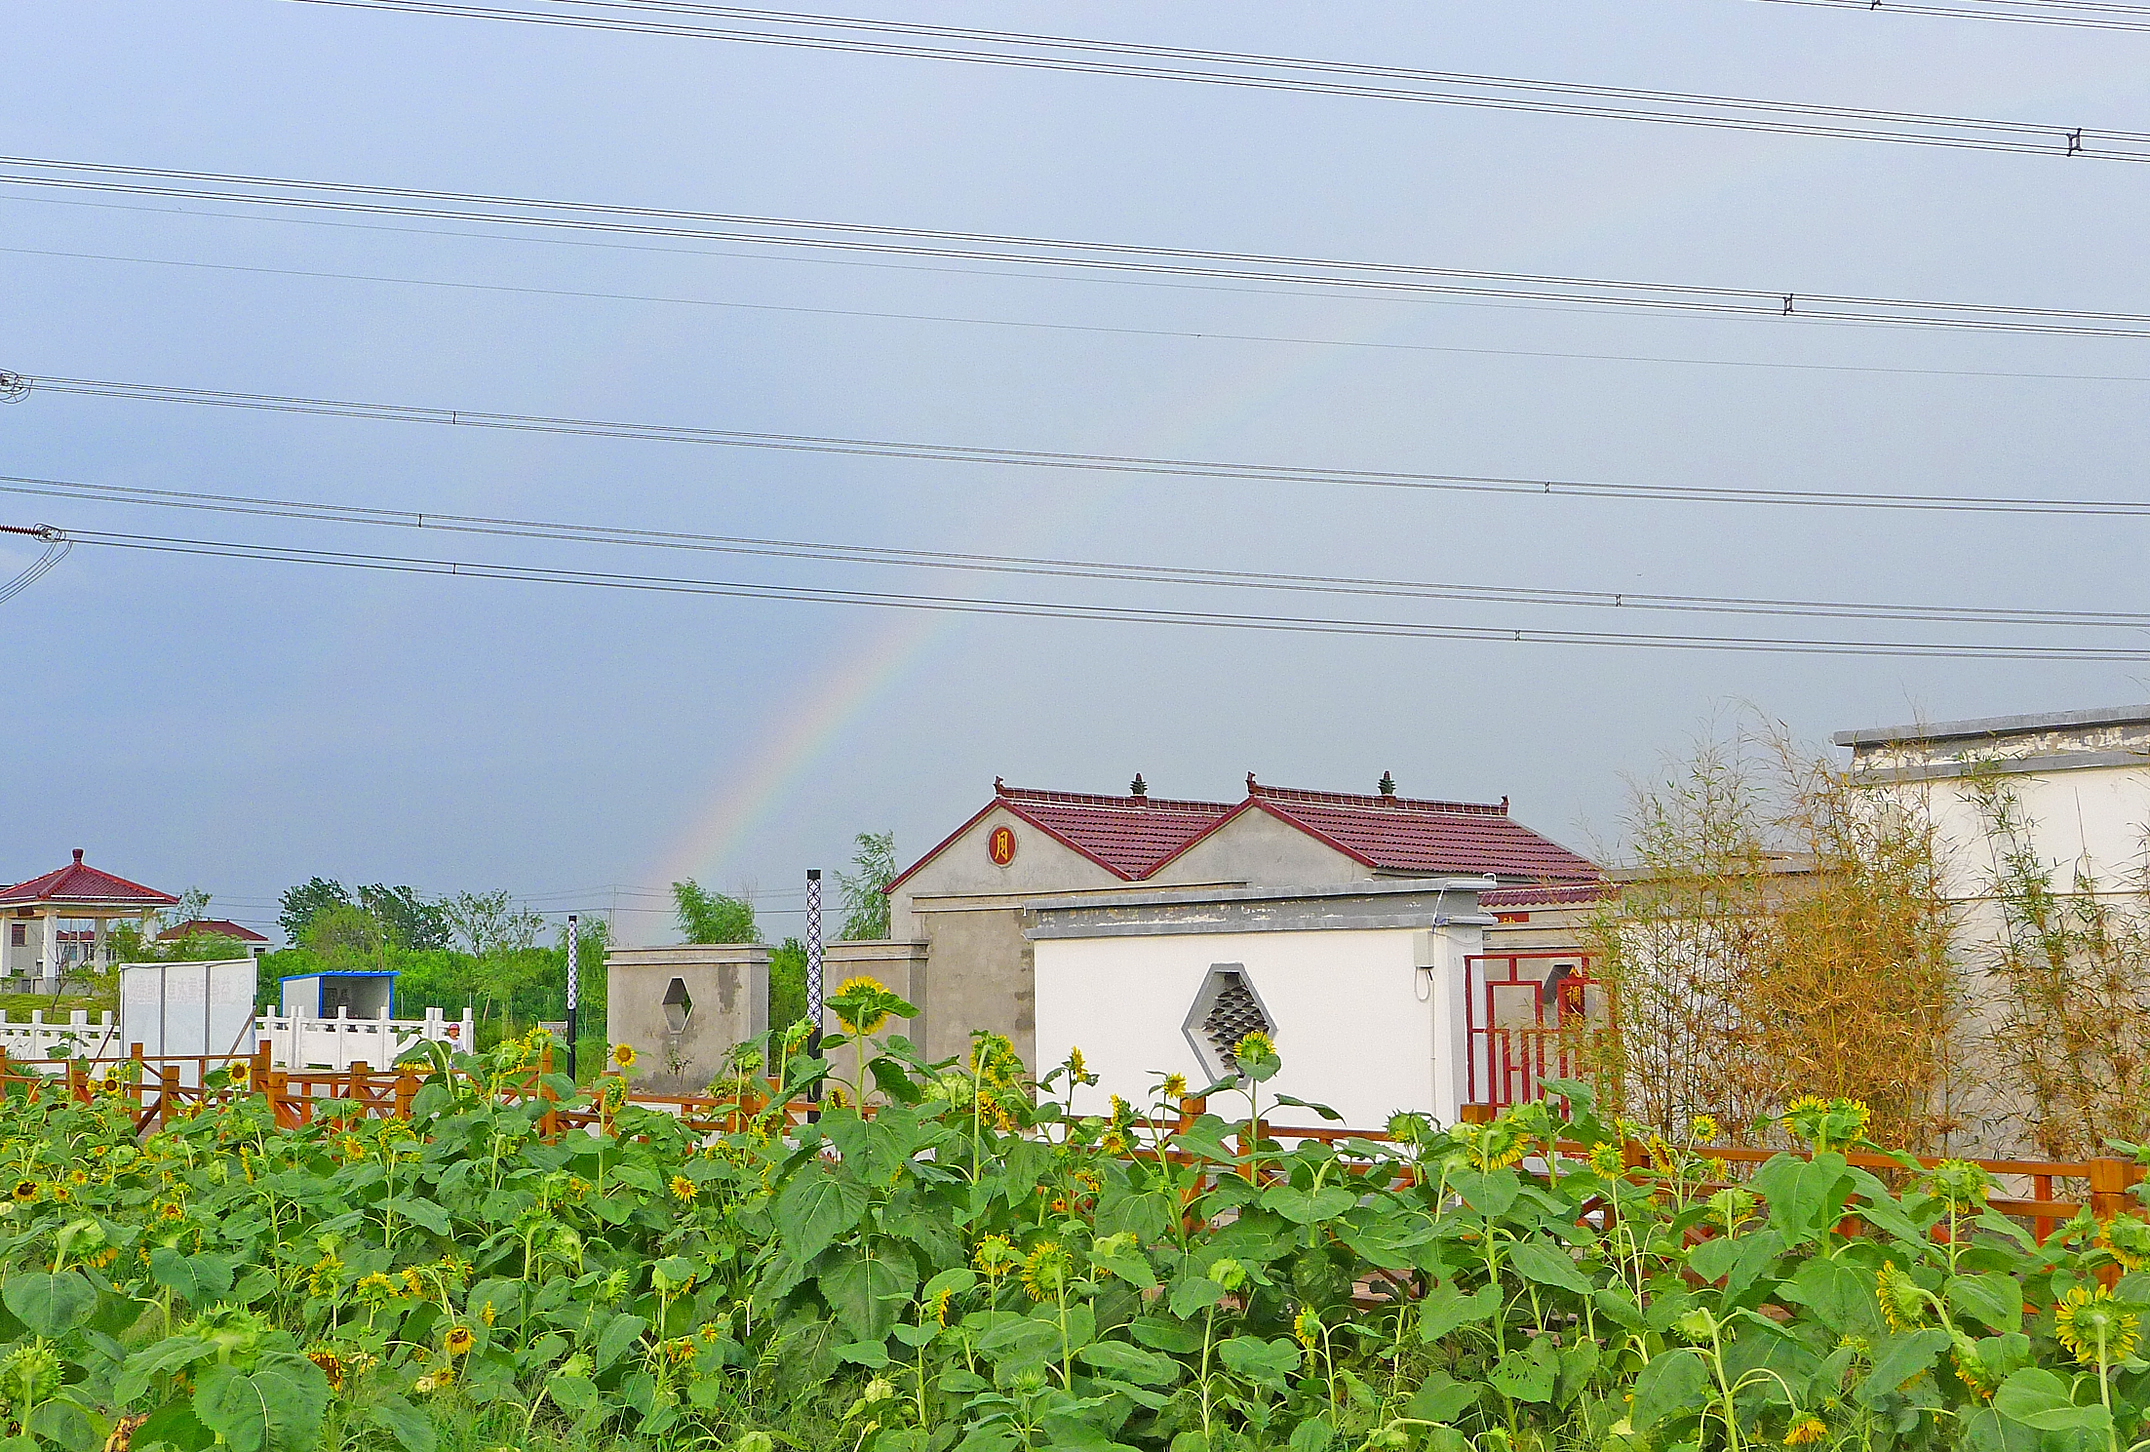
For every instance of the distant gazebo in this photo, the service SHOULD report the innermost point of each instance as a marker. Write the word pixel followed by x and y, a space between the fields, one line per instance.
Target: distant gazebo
pixel 36 945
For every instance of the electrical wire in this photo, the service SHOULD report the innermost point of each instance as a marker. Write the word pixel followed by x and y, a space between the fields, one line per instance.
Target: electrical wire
pixel 1061 254
pixel 1266 623
pixel 1206 335
pixel 1079 461
pixel 1020 50
pixel 2077 14
pixel 1114 571
pixel 57 546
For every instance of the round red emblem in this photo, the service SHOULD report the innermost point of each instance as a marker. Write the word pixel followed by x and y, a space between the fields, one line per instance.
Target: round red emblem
pixel 1001 846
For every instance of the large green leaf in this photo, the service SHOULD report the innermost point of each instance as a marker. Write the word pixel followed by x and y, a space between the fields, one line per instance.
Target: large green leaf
pixel 1193 1294
pixel 68 1425
pixel 1267 1363
pixel 1132 1363
pixel 425 1213
pixel 1446 1308
pixel 1021 1339
pixel 1305 1207
pixel 1441 1398
pixel 2037 1398
pixel 276 1406
pixel 1900 1359
pixel 1674 1381
pixel 50 1305
pixel 194 1278
pixel 1994 1299
pixel 404 1422
pixel 1805 1197
pixel 1548 1267
pixel 1837 1295
pixel 1128 1263
pixel 1528 1373
pixel 868 1289
pixel 620 1333
pixel 817 1207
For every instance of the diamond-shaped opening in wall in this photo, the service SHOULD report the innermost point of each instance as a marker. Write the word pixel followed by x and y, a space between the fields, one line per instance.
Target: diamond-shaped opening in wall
pixel 1225 1010
pixel 677 1005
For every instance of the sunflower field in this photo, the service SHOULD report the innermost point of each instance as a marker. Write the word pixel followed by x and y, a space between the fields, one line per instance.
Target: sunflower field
pixel 972 1267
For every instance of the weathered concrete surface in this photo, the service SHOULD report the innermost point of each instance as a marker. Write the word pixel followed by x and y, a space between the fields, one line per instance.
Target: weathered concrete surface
pixel 679 1050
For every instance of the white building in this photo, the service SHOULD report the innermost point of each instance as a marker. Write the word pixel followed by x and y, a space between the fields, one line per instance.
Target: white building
pixel 2080 778
pixel 1362 984
pixel 1150 932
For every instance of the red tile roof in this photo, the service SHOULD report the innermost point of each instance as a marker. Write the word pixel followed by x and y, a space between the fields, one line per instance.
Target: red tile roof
pixel 76 883
pixel 1404 835
pixel 1130 835
pixel 221 927
pixel 1127 836
pixel 1576 895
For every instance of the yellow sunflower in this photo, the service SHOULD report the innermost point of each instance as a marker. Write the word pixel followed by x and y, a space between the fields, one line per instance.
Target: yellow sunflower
pixel 2094 1328
pixel 1903 1303
pixel 1045 1270
pixel 682 1188
pixel 624 1055
pixel 459 1341
pixel 1805 1430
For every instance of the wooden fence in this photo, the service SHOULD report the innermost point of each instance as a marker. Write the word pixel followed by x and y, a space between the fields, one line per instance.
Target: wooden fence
pixel 2045 1193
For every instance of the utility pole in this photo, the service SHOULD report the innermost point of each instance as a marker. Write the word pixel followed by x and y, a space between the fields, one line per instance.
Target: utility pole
pixel 574 991
pixel 813 971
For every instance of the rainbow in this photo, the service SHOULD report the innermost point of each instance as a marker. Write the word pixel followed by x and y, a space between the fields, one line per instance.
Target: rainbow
pixel 799 735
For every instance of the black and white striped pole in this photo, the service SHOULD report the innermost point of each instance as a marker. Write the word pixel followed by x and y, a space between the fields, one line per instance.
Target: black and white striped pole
pixel 813 969
pixel 574 990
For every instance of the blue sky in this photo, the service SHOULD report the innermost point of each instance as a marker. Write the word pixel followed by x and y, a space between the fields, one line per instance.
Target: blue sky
pixel 241 726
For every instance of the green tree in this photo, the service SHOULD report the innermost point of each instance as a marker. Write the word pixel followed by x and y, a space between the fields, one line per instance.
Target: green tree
pixel 347 937
pixel 302 904
pixel 787 983
pixel 489 922
pixel 865 887
pixel 711 917
pixel 411 921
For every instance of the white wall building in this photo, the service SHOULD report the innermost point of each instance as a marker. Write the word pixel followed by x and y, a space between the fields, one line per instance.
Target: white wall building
pixel 1361 984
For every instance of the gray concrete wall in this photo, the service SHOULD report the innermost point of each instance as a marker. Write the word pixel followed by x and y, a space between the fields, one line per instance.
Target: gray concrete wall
pixel 1042 865
pixel 901 968
pixel 1257 850
pixel 981 977
pixel 728 986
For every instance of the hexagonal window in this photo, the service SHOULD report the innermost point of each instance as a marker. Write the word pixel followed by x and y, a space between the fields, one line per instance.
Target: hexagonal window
pixel 1226 1009
pixel 677 1005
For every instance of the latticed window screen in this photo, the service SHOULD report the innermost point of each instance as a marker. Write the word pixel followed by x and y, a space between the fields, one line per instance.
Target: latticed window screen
pixel 1232 1016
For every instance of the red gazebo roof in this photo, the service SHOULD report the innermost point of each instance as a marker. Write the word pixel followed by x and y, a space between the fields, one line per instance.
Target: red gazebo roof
pixel 221 927
pixel 78 885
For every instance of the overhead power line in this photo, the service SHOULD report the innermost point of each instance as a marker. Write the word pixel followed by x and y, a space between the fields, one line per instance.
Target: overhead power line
pixel 1089 462
pixel 2073 14
pixel 1103 329
pixel 56 548
pixel 1064 256
pixel 1025 51
pixel 1266 622
pixel 1120 572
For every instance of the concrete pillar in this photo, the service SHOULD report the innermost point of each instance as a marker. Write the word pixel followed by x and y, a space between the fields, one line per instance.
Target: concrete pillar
pixel 98 947
pixel 50 967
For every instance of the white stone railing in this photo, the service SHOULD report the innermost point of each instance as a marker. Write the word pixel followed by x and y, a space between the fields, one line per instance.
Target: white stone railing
pixel 78 1038
pixel 339 1042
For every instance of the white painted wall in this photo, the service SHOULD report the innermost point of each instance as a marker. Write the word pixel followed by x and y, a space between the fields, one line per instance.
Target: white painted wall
pixel 1360 1026
pixel 2090 818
